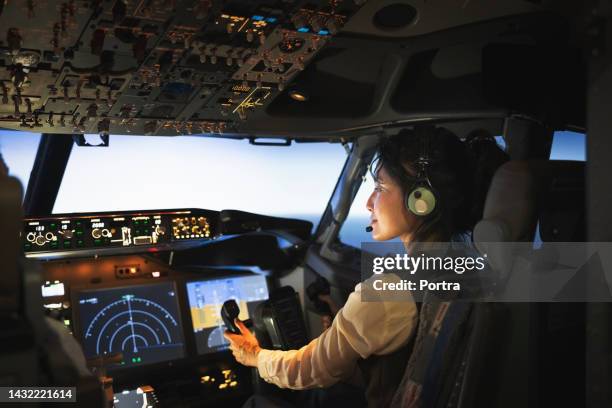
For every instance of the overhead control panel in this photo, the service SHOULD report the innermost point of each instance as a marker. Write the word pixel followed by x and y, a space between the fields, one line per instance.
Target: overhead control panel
pixel 119 232
pixel 154 67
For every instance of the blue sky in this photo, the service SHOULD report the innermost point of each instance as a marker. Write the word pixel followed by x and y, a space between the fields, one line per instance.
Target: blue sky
pixel 568 146
pixel 18 150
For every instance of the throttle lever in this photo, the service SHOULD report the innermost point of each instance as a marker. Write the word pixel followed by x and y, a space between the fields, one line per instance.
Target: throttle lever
pixel 230 312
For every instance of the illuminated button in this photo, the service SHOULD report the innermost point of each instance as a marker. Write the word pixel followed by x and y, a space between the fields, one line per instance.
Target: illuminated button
pixel 67 244
pixel 54 244
pixel 97 241
pixel 79 232
pixel 52 226
pixel 27 247
pixel 80 243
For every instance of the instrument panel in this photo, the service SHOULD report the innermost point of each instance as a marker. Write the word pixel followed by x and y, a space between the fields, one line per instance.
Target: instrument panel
pixel 90 234
pixel 161 327
pixel 148 319
pixel 146 322
pixel 111 279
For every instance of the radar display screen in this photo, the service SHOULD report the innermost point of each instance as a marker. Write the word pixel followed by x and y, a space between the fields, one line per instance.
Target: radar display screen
pixel 141 322
pixel 206 298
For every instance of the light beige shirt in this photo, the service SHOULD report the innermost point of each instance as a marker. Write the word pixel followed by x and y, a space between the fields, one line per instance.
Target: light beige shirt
pixel 359 330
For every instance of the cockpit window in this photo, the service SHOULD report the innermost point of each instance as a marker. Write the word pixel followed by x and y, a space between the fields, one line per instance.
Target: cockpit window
pixel 18 150
pixel 148 172
pixel 568 146
pixel 501 142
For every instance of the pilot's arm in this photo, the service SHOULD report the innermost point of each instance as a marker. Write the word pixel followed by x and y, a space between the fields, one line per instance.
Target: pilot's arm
pixel 359 330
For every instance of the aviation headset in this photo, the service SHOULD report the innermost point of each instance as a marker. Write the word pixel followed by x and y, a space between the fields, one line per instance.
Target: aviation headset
pixel 420 199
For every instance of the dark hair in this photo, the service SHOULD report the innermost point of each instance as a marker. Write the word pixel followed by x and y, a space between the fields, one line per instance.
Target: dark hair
pixel 459 172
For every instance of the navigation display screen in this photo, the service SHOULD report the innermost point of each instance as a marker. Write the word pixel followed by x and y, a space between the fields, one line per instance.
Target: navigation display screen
pixel 141 322
pixel 206 298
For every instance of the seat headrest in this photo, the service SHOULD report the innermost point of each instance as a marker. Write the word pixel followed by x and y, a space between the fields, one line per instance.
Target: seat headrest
pixel 10 250
pixel 510 210
pixel 525 192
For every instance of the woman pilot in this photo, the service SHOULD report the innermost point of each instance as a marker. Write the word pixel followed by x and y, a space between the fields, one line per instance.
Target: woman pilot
pixel 375 336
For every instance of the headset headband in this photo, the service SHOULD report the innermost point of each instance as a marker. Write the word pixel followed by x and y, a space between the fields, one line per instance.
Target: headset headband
pixel 421 199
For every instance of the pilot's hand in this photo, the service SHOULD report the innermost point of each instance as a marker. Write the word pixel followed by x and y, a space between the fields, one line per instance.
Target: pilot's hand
pixel 326 321
pixel 244 346
pixel 330 302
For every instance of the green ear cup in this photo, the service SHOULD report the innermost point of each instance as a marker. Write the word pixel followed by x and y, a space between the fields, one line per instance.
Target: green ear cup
pixel 421 201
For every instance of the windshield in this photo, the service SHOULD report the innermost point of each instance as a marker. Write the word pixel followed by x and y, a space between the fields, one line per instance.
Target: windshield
pixel 148 172
pixel 18 150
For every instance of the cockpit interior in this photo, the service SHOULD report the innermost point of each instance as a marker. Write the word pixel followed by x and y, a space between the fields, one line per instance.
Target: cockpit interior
pixel 161 157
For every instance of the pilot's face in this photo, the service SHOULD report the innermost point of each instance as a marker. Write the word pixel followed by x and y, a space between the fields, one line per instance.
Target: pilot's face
pixel 389 217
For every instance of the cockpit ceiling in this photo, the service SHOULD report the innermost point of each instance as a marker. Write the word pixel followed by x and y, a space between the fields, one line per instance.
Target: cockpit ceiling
pixel 262 68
